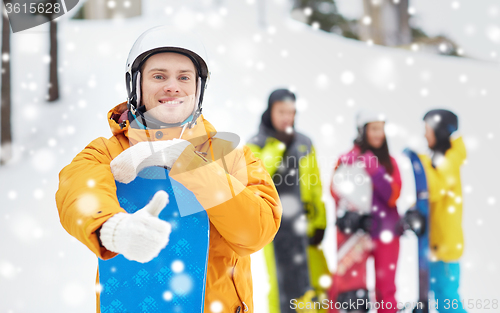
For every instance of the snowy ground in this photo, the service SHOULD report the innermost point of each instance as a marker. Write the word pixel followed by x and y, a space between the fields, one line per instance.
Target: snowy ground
pixel 43 269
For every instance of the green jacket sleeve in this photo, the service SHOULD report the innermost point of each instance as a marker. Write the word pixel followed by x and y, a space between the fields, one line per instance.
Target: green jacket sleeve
pixel 271 153
pixel 311 192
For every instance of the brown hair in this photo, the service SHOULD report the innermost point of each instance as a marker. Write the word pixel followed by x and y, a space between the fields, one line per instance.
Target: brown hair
pixel 381 153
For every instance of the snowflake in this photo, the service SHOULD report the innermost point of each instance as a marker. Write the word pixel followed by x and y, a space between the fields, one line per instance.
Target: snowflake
pixel 70 130
pixel 493 33
pixel 87 203
pixel 327 130
pixel 325 281
pixel 169 10
pixel 167 296
pixel 298 258
pixel 98 288
pixel 52 142
pixel 12 195
pixel 7 270
pixel 223 11
pixel 493 11
pixel 216 307
pixel 38 194
pixel 46 59
pixel 177 266
pixel 347 78
pixel 70 46
pixel 43 160
pixel 386 236
pixel 73 294
pixel 301 104
pixel 322 81
pixel 491 201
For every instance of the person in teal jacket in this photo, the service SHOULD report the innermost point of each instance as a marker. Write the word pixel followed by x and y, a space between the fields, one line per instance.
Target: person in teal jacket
pixel 295 261
pixel 442 169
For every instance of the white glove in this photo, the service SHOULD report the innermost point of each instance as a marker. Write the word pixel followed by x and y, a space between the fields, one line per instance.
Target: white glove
pixel 140 236
pixel 146 153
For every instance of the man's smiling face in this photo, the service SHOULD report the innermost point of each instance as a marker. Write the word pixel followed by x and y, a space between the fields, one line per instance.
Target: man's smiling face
pixel 168 87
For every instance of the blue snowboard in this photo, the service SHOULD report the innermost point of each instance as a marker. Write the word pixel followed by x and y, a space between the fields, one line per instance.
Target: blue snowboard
pixel 422 206
pixel 174 281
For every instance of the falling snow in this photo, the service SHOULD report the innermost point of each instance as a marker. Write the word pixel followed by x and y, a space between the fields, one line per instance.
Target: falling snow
pixel 49 136
pixel 347 78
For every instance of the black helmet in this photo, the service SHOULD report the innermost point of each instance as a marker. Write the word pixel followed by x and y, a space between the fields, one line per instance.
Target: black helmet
pixel 443 122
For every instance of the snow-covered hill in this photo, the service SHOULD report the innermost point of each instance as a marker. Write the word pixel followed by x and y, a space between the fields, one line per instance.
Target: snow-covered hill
pixel 253 49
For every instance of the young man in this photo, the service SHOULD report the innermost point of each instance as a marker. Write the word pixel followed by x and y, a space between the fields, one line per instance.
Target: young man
pixel 442 169
pixel 295 262
pixel 166 76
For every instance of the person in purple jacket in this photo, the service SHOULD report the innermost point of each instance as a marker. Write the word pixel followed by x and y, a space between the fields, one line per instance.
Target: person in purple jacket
pixel 349 284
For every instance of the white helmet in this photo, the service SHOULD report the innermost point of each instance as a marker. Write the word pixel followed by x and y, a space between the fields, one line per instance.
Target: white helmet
pixel 368 116
pixel 165 39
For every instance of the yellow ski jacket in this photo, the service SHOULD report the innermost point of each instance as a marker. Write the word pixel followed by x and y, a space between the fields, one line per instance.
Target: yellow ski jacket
pixel 445 201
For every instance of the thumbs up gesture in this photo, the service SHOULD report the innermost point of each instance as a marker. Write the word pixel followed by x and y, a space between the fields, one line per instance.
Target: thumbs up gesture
pixel 139 236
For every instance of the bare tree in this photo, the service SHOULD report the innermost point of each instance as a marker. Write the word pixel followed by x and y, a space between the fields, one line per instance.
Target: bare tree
pixel 50 14
pixel 6 131
pixel 53 73
pixel 386 22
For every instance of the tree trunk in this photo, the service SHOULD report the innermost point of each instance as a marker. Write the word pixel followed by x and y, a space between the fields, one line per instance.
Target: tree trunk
pixel 389 22
pixel 261 14
pixel 6 131
pixel 53 72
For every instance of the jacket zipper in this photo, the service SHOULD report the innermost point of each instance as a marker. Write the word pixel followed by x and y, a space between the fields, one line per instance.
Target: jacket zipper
pixel 236 288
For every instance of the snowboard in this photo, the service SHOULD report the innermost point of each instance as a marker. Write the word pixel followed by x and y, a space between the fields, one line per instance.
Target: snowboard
pixel 354 188
pixel 422 205
pixel 175 280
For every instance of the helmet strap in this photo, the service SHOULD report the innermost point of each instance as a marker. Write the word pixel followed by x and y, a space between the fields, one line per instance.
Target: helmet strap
pixel 138 89
pixel 197 104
